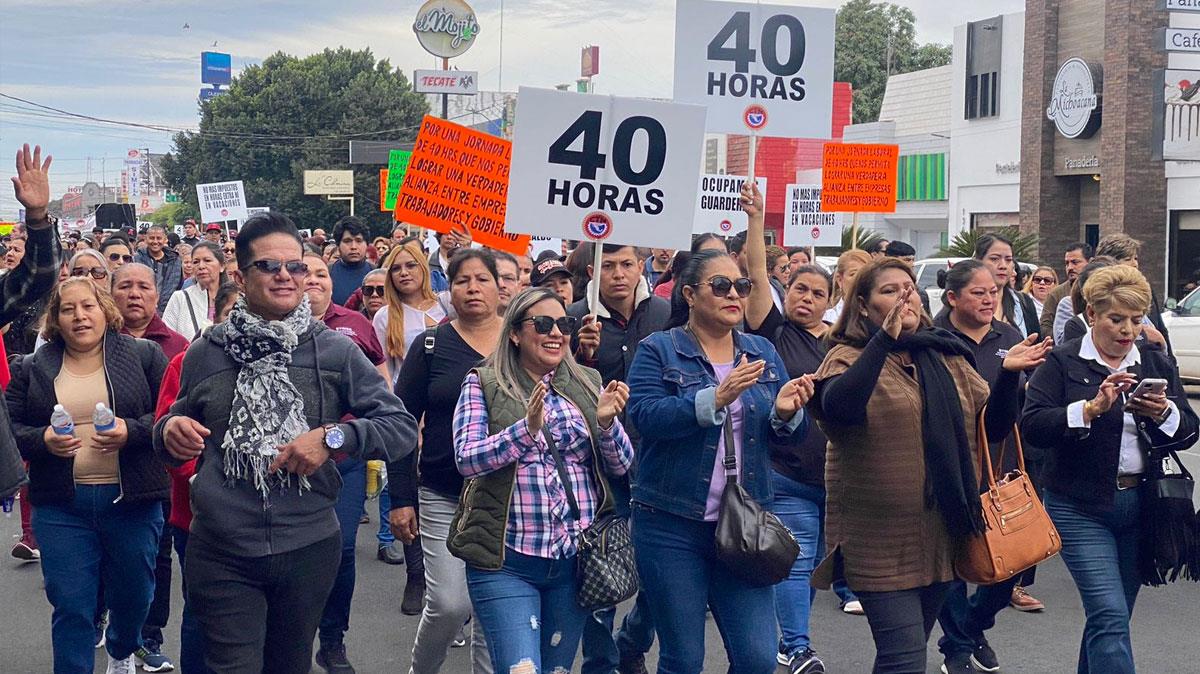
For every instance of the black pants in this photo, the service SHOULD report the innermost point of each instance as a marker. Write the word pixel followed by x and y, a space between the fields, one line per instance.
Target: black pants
pixel 900 624
pixel 259 614
pixel 160 608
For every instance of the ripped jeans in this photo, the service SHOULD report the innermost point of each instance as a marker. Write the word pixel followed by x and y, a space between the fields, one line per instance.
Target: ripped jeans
pixel 528 611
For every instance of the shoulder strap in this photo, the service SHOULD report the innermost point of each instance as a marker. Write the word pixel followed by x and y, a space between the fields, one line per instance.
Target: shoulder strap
pixel 191 313
pixel 730 460
pixel 562 473
pixel 430 340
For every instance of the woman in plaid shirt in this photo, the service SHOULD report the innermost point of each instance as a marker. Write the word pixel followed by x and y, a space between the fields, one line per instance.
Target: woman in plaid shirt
pixel 529 399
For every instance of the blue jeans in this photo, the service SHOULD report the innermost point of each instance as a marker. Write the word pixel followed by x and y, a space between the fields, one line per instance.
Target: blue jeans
pixel 384 535
pixel 799 507
pixel 964 620
pixel 335 619
pixel 528 612
pixel 676 559
pixel 1100 550
pixel 83 541
pixel 191 635
pixel 636 635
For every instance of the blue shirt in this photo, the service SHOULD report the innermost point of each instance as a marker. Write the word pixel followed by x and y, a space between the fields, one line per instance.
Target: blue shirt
pixel 347 278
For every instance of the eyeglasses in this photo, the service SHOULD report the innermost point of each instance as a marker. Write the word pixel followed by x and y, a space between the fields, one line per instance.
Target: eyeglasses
pixel 119 257
pixel 272 267
pixel 722 284
pixel 368 291
pixel 544 324
pixel 1043 280
pixel 96 272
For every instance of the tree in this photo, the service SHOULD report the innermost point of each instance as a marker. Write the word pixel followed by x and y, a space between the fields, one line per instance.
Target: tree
pixel 290 114
pixel 874 40
pixel 866 238
pixel 963 243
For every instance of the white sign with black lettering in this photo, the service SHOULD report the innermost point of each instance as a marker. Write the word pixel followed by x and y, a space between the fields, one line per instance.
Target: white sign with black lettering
pixel 766 68
pixel 604 168
pixel 718 209
pixel 222 201
pixel 804 224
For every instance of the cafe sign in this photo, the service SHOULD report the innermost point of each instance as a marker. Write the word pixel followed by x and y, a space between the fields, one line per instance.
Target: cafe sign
pixel 329 182
pixel 446 28
pixel 1074 103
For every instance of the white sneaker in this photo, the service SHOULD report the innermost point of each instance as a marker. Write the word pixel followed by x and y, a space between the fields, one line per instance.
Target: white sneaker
pixel 853 607
pixel 123 666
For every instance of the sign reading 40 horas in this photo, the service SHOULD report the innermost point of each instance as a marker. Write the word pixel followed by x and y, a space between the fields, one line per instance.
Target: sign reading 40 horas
pixel 762 68
pixel 604 168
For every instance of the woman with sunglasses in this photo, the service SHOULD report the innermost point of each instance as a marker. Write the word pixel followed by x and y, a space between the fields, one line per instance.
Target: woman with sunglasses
pixel 91 264
pixel 412 307
pixel 116 251
pixel 1040 283
pixel 693 386
pixel 537 437
pixel 190 310
pixel 424 487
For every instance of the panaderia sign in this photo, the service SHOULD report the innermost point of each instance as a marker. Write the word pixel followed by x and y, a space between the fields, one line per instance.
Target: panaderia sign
pixel 1075 102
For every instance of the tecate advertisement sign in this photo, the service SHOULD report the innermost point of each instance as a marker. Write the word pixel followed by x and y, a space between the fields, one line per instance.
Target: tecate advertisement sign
pixel 463 82
pixel 1074 102
pixel 446 28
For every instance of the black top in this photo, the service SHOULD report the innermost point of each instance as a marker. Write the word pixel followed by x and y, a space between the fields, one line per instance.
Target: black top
pixel 802 353
pixel 429 384
pixel 1082 463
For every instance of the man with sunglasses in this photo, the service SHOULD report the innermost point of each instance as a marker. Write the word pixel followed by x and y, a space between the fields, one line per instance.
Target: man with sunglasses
pixel 117 251
pixel 164 262
pixel 265 545
pixel 607 342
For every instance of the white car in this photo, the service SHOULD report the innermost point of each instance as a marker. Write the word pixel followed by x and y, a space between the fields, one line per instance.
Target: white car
pixel 1184 324
pixel 926 272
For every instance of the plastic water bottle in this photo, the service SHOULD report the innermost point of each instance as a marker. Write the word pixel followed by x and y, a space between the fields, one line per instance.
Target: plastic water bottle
pixel 103 418
pixel 8 506
pixel 61 421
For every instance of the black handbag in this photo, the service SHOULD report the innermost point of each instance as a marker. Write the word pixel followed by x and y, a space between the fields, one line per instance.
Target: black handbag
pixel 751 542
pixel 606 572
pixel 1170 543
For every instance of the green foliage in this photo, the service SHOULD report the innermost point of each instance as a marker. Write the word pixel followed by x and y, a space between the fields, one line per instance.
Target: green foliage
pixel 866 238
pixel 862 55
pixel 290 114
pixel 963 243
pixel 170 215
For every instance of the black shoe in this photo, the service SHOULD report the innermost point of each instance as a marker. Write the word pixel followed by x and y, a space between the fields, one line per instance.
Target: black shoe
pixel 332 659
pixel 959 663
pixel 391 553
pixel 633 665
pixel 984 658
pixel 414 595
pixel 806 662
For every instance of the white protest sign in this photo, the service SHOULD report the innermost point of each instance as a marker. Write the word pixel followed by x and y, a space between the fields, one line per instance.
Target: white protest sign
pixel 718 209
pixel 255 210
pixel 222 201
pixel 541 244
pixel 763 68
pixel 604 168
pixel 804 224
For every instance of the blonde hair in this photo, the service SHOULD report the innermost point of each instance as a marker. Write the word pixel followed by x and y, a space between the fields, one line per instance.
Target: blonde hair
pixel 1029 281
pixel 112 316
pixel 1118 285
pixel 1118 246
pixel 395 303
pixel 862 257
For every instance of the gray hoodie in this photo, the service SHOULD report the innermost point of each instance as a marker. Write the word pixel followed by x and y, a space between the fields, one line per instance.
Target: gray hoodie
pixel 232 513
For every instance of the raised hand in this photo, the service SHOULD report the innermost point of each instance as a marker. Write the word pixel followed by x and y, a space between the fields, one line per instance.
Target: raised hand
pixel 535 409
pixel 589 337
pixel 794 395
pixel 752 201
pixel 893 323
pixel 741 378
pixel 32 182
pixel 1027 354
pixel 611 403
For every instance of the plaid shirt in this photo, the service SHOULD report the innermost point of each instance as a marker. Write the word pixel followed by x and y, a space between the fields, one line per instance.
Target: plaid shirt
pixel 31 280
pixel 539 519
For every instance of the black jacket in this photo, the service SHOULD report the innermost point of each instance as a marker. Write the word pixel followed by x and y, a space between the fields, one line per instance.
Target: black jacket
pixel 133 370
pixel 1082 463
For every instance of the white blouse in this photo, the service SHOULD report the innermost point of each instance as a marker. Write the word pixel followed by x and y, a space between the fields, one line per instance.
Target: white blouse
pixel 415 324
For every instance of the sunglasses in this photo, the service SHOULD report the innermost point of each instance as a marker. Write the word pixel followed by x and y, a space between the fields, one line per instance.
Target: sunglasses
pixel 368 291
pixel 543 325
pixel 1043 280
pixel 722 284
pixel 272 267
pixel 115 257
pixel 96 272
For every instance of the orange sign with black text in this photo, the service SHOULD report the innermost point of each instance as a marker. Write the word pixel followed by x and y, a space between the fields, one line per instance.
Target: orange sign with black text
pixel 859 178
pixel 383 173
pixel 459 176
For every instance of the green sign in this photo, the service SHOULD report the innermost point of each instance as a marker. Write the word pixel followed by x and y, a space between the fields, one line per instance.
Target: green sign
pixel 397 165
pixel 172 198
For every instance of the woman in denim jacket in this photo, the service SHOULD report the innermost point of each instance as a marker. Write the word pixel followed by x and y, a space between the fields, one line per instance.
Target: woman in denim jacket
pixel 685 383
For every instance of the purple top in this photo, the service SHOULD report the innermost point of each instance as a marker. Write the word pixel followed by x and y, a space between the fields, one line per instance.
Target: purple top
pixel 713 505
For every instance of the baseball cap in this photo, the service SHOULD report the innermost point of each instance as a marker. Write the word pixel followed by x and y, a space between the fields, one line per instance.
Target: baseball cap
pixel 212 227
pixel 543 270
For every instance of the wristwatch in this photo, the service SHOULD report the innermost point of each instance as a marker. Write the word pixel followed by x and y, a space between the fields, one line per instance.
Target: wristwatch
pixel 1166 415
pixel 335 437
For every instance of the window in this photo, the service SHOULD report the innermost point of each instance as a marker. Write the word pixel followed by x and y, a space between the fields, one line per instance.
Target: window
pixel 984 42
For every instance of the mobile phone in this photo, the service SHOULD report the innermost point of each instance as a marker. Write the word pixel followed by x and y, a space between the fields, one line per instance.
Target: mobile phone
pixel 1155 386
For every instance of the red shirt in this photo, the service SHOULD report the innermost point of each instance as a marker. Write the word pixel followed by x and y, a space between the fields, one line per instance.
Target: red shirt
pixel 172 343
pixel 181 506
pixel 356 326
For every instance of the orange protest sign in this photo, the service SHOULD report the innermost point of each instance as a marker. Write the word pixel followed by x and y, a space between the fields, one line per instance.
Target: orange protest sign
pixel 459 176
pixel 383 190
pixel 859 178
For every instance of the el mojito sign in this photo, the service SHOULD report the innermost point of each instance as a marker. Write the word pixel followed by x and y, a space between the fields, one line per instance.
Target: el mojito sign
pixel 446 28
pixel 764 68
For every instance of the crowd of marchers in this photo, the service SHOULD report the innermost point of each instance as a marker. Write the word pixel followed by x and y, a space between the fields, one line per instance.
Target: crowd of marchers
pixel 237 399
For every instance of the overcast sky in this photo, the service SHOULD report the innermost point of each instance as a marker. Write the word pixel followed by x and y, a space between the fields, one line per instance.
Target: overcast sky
pixel 133 60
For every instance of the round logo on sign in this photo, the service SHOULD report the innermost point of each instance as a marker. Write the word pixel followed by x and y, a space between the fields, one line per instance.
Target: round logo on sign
pixel 224 211
pixel 726 225
pixel 1074 101
pixel 446 28
pixel 816 233
pixel 597 225
pixel 755 117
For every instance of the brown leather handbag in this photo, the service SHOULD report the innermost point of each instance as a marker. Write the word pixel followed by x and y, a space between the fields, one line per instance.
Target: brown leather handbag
pixel 1019 533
